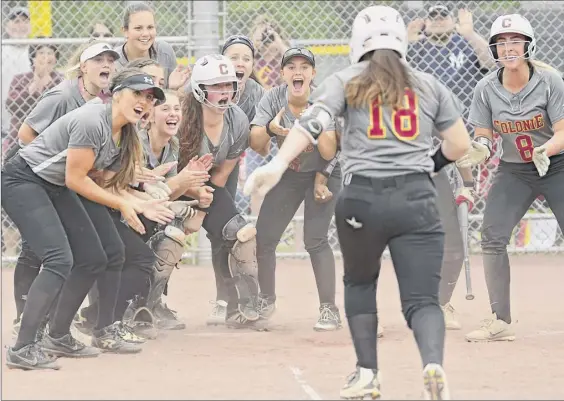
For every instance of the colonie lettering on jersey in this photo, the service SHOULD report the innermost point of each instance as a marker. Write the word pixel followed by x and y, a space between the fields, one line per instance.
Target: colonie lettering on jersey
pixel 516 127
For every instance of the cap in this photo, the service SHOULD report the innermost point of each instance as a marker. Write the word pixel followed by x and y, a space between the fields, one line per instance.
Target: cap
pixel 238 39
pixel 17 11
pixel 97 49
pixel 438 10
pixel 298 52
pixel 141 82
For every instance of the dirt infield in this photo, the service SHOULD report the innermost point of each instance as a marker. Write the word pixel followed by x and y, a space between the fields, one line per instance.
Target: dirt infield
pixel 294 362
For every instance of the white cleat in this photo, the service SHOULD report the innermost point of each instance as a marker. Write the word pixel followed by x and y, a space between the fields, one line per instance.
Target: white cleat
pixel 218 314
pixel 435 383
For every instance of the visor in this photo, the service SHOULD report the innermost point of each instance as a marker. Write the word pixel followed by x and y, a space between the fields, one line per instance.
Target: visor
pixel 141 82
pixel 96 50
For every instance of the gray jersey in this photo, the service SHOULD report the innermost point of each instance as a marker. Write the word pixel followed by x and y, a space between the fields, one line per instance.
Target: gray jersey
pixel 54 104
pixel 524 120
pixel 169 154
pixel 234 137
pixel 250 98
pixel 89 126
pixel 270 104
pixel 380 142
pixel 163 54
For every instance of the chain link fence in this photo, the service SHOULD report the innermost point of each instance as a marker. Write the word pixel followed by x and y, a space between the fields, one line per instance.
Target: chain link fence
pixel 195 28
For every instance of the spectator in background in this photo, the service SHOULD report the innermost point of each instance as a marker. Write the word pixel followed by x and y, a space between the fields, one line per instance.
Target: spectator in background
pixel 15 58
pixel 270 47
pixel 101 30
pixel 451 51
pixel 27 88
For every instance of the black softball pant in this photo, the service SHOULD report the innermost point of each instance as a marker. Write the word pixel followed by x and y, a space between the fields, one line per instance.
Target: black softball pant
pixel 399 213
pixel 277 210
pixel 220 252
pixel 59 230
pixel 515 187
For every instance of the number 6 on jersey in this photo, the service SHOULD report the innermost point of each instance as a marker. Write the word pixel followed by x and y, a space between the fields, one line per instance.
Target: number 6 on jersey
pixel 405 120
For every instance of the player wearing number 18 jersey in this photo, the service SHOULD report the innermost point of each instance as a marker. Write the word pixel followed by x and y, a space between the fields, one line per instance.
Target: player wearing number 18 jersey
pixel 524 102
pixel 390 113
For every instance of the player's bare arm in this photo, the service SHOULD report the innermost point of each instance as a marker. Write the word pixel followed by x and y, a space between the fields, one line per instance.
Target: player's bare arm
pixel 327 144
pixel 26 134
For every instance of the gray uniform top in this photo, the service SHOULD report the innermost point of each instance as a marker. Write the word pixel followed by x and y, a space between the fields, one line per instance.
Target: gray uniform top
pixel 524 120
pixel 163 53
pixel 234 137
pixel 401 141
pixel 169 154
pixel 55 103
pixel 89 126
pixel 270 104
pixel 250 97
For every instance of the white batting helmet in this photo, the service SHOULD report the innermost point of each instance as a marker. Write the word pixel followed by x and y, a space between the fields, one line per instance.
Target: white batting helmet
pixel 376 28
pixel 513 23
pixel 210 70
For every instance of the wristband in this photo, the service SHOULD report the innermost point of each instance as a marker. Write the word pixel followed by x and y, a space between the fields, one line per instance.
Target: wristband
pixel 328 170
pixel 468 184
pixel 440 159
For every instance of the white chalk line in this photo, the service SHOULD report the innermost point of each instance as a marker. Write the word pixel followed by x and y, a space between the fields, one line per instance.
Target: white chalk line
pixel 544 333
pixel 311 393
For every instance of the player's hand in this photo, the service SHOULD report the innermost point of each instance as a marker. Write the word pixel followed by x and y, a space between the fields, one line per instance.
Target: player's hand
pixel 321 193
pixel 194 178
pixel 157 190
pixel 541 160
pixel 477 154
pixel 204 163
pixel 465 25
pixel 275 125
pixel 179 77
pixel 157 211
pixel 184 209
pixel 264 178
pixel 143 174
pixel 129 211
pixel 463 195
pixel 205 196
pixel 415 30
pixel 163 169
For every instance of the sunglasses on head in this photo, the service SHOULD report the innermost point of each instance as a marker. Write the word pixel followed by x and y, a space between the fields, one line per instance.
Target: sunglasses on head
pixel 298 51
pixel 102 35
pixel 435 12
pixel 238 39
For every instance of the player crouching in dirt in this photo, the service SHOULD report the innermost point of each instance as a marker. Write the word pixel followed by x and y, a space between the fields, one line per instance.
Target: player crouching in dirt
pixel 146 312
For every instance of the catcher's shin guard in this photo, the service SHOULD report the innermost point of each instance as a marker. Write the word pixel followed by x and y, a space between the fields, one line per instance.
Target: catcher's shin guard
pixel 243 264
pixel 168 246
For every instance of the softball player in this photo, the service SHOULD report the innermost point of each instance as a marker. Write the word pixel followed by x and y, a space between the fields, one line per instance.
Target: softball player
pixel 523 103
pixel 86 319
pixel 63 215
pixel 388 198
pixel 213 123
pixel 240 50
pixel 140 32
pixel 277 110
pixel 88 76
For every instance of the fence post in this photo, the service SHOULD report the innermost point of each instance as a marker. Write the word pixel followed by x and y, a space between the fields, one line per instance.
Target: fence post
pixel 205 28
